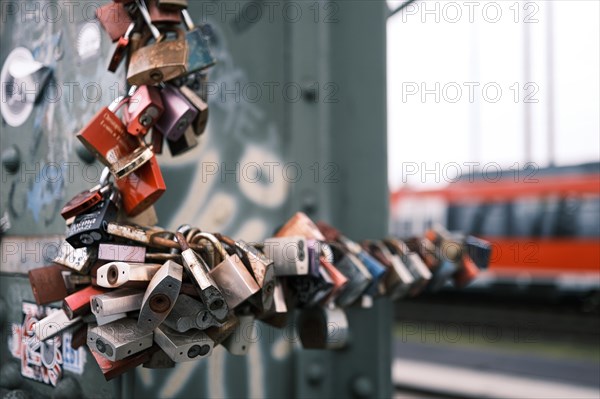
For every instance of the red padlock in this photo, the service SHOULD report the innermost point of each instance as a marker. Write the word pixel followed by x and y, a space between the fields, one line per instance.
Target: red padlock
pixel 106 135
pixel 114 18
pixel 467 273
pixel 78 303
pixel 144 109
pixel 141 188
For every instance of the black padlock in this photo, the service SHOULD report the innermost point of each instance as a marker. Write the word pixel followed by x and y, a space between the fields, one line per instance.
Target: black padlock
pixel 90 228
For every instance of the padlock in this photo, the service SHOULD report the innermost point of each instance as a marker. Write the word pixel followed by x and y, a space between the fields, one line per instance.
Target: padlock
pixel 448 247
pixel 130 232
pixel 121 253
pixel 323 328
pixel 78 303
pixel 183 144
pixel 47 284
pixel 233 279
pixel 123 167
pixel 413 261
pixel 398 279
pixel 73 280
pixel 114 18
pixel 323 288
pixel 157 140
pixel 119 339
pixel 244 335
pixel 112 370
pixel 300 225
pixel 77 259
pixel 261 268
pixel 160 15
pixel 121 300
pixel 145 107
pixel 160 61
pixel 159 360
pixel 90 228
pixel 289 254
pixel 467 273
pixel 115 274
pixel 189 313
pixel 206 287
pixel 173 4
pixel 479 251
pixel 87 199
pixel 178 116
pixel 442 275
pixel 201 120
pixel 277 315
pixel 355 271
pixel 375 268
pixel 182 347
pixel 103 320
pixel 106 135
pixel 160 295
pixel 142 188
pixel 53 324
pixel 219 334
pixel 79 337
pixel 338 279
pixel 199 56
pixel 426 250
pixel 120 49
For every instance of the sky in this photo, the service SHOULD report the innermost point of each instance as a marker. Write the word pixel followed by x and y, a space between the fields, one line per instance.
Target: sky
pixel 460 94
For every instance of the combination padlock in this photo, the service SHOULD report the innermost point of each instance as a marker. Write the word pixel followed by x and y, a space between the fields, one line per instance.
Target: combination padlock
pixel 289 254
pixel 199 56
pixel 114 18
pixel 145 107
pixel 178 116
pixel 106 135
pixel 230 274
pixel 206 287
pixel 90 228
pixel 160 295
pixel 163 60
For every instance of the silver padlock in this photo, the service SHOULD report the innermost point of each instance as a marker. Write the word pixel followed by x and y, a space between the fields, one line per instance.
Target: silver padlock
pixel 204 283
pixel 54 324
pixel 160 295
pixel 121 300
pixel 230 274
pixel 413 261
pixel 289 254
pixel 115 274
pixel 102 320
pixel 119 339
pixel 262 269
pixel 189 313
pixel 183 347
pixel 244 335
pixel 323 328
pixel 357 274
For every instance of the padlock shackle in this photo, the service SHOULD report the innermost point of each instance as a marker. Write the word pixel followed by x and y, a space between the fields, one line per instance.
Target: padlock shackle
pixel 216 244
pixel 187 19
pixel 146 16
pixel 118 103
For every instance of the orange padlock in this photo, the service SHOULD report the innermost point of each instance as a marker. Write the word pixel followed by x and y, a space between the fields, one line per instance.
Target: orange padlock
pixel 141 188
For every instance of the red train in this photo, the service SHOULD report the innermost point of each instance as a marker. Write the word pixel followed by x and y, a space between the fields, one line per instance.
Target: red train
pixel 544 225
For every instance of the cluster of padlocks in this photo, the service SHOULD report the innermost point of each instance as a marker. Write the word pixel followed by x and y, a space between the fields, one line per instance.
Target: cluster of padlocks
pixel 165 70
pixel 137 294
pixel 141 295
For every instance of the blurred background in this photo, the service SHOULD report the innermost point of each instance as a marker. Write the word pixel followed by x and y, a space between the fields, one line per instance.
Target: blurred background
pixel 493 130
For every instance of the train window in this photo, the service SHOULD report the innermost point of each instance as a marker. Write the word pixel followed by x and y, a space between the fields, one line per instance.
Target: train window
pixel 566 220
pixel 545 222
pixel 524 212
pixel 461 217
pixel 495 218
pixel 588 217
